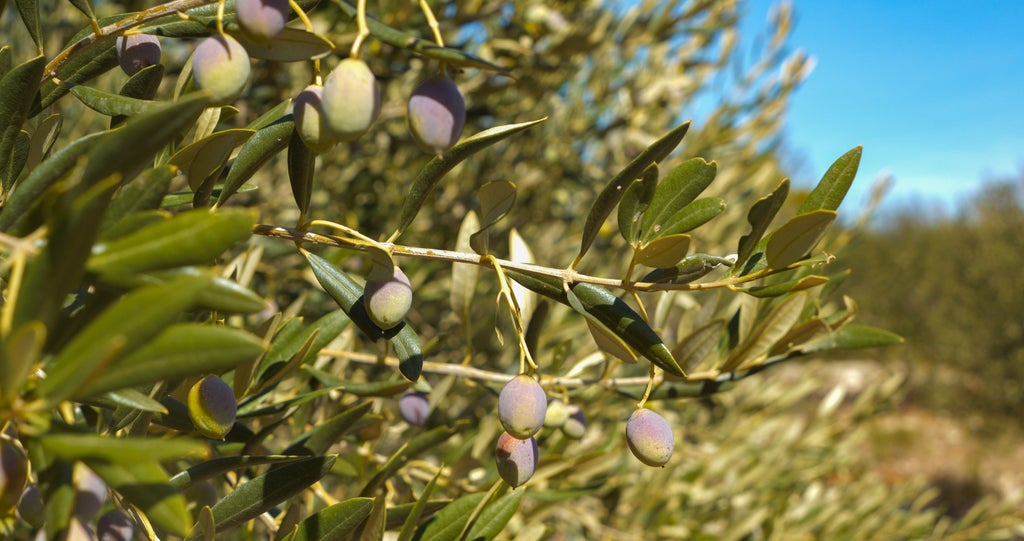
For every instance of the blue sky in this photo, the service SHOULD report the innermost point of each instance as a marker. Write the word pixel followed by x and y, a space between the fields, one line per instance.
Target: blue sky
pixel 934 90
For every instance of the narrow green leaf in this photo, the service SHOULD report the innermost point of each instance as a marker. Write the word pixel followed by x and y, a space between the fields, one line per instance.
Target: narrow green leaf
pixel 689 269
pixel 143 85
pixel 19 155
pixel 606 340
pixel 326 433
pixel 259 148
pixel 29 12
pixel 373 388
pixel 43 139
pixel 131 399
pixel 635 202
pixel 496 200
pixel 291 45
pixel 120 329
pixel 854 337
pixel 81 67
pixel 412 518
pixel 122 450
pixel 834 184
pixel 777 290
pixel 679 188
pixel 144 194
pixel 438 166
pixel 216 467
pixel 17 90
pixel 797 237
pixel 690 351
pixel 664 252
pixel 202 159
pixel 612 193
pixel 264 492
pixel 774 326
pixel 520 252
pixel 145 484
pixel 181 350
pixel 189 238
pixel 334 522
pixel 293 338
pixel 348 294
pixel 464 276
pixel 19 351
pixel 301 168
pixel 399 514
pixel 448 524
pixel 221 295
pixel 106 103
pixel 373 528
pixel 760 217
pixel 495 516
pixel 6 60
pixel 85 6
pixel 686 219
pixel 611 312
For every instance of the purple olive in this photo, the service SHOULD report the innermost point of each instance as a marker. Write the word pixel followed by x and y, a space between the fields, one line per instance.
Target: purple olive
pixel 115 526
pixel 522 405
pixel 90 492
pixel 262 19
pixel 516 459
pixel 212 407
pixel 649 437
pixel 31 508
pixel 414 408
pixel 137 51
pixel 437 114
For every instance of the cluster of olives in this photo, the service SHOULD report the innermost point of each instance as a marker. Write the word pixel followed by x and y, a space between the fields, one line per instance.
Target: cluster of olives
pixel 340 110
pixel 18 493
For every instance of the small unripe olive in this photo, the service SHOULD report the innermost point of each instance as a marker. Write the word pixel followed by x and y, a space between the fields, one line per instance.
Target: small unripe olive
pixel 556 414
pixel 220 66
pixel 437 114
pixel 522 405
pixel 308 110
pixel 649 437
pixel 414 407
pixel 262 19
pixel 351 99
pixel 387 300
pixel 516 459
pixel 576 425
pixel 115 526
pixel 212 407
pixel 13 474
pixel 137 51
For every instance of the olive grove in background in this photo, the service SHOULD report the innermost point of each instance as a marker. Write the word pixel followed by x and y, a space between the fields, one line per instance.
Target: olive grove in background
pixel 165 248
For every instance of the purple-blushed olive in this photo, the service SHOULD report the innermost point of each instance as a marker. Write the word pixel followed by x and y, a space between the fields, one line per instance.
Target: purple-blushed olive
pixel 115 526
pixel 576 425
pixel 220 66
pixel 414 407
pixel 137 51
pixel 436 114
pixel 387 300
pixel 308 111
pixel 212 407
pixel 516 459
pixel 522 406
pixel 13 473
pixel 262 19
pixel 90 492
pixel 31 508
pixel 649 437
pixel 351 99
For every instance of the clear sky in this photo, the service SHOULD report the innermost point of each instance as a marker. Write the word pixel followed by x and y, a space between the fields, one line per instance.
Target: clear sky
pixel 934 90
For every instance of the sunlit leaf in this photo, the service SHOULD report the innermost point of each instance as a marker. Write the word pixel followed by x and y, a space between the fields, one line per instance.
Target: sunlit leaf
pixel 777 290
pixel 797 237
pixel 854 337
pixel 679 188
pixel 760 217
pixel 664 252
pixel 335 521
pixel 635 202
pixel 291 45
pixel 834 184
pixel 259 148
pixel 464 276
pixel 493 519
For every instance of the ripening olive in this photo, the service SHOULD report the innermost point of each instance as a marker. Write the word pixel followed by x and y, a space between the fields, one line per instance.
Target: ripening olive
pixel 351 99
pixel 437 114
pixel 115 526
pixel 31 508
pixel 220 66
pixel 13 473
pixel 137 51
pixel 576 425
pixel 516 459
pixel 90 492
pixel 649 437
pixel 262 19
pixel 414 408
pixel 212 407
pixel 556 414
pixel 522 405
pixel 308 110
pixel 388 300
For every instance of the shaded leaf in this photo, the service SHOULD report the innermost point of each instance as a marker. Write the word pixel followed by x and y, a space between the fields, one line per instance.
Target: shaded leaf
pixel 854 337
pixel 464 276
pixel 216 467
pixel 17 90
pixel 259 148
pixel 145 193
pixel 612 193
pixel 797 237
pixel 496 200
pixel 413 448
pixel 301 167
pixel 203 157
pixel 760 217
pixel 438 166
pixel 777 290
pixel 291 45
pixel 495 516
pixel 145 484
pixel 334 522
pixel 690 351
pixel 664 252
pixel 635 202
pixel 448 523
pixel 29 12
pixel 689 269
pixel 43 139
pixel 143 85
pixel 412 518
pixel 774 326
pixel 326 433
